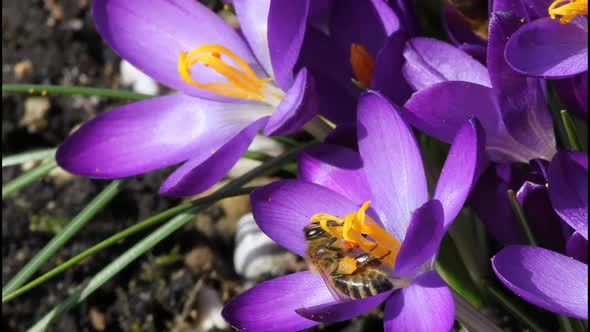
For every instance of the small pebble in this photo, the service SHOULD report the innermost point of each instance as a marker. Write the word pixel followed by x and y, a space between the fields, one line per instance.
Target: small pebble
pixel 35 117
pixel 138 80
pixel 256 254
pixel 23 68
pixel 209 308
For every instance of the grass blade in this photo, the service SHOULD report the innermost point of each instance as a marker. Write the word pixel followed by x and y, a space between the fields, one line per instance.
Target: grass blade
pixel 27 178
pixel 60 239
pixel 17 159
pixel 73 90
pixel 153 220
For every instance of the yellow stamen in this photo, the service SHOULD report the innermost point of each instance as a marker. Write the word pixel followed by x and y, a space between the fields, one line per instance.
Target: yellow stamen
pixel 362 64
pixel 569 9
pixel 361 230
pixel 242 81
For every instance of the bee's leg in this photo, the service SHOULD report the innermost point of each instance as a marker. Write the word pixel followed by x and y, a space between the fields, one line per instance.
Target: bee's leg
pixel 365 259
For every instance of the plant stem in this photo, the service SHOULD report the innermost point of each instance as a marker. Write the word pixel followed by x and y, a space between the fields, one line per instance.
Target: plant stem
pixel 62 237
pixel 26 178
pixel 570 130
pixel 520 215
pixel 21 158
pixel 73 90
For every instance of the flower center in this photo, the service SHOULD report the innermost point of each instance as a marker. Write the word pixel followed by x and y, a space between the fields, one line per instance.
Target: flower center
pixel 242 82
pixel 568 9
pixel 358 229
pixel 362 64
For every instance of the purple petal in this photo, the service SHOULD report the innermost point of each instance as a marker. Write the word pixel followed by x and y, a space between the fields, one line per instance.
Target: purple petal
pixel 577 247
pixel 271 305
pixel 478 52
pixel 548 49
pixel 545 278
pixel 522 100
pixel 339 311
pixel 283 208
pixel 299 105
pixel 200 173
pixel 422 238
pixel 330 67
pixel 462 169
pixel 544 222
pixel 568 189
pixel 253 17
pixel 344 135
pixel 424 305
pixel 430 61
pixel 151 134
pixel 405 10
pixel 367 23
pixel 286 29
pixel 337 168
pixel 387 79
pixel 441 109
pixel 151 37
pixel 392 161
pixel 490 201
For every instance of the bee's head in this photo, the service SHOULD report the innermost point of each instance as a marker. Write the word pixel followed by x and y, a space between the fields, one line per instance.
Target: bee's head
pixel 313 231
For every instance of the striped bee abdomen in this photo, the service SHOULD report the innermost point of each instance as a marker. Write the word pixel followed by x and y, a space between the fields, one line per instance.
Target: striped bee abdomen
pixel 363 284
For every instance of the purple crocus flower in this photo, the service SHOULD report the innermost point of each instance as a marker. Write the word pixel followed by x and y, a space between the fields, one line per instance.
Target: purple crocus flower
pixel 552 48
pixel 453 87
pixel 388 171
pixel 362 40
pixel 547 275
pixel 232 85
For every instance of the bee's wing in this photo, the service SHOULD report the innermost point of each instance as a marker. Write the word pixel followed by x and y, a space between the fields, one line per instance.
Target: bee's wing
pixel 328 280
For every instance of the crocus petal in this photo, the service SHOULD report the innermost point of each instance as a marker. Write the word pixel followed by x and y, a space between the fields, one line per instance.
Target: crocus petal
pixel 151 134
pixel 202 172
pixel 577 247
pixel 151 37
pixel 573 92
pixel 271 305
pixel 283 208
pixel 299 105
pixel 367 23
pixel 424 305
pixel 490 201
pixel 462 169
pixel 253 17
pixel 543 221
pixel 286 30
pixel 392 161
pixel 545 278
pixel 568 189
pixel 337 168
pixel 422 238
pixel 441 109
pixel 478 52
pixel 522 100
pixel 549 49
pixel 430 61
pixel 389 63
pixel 339 311
pixel 330 67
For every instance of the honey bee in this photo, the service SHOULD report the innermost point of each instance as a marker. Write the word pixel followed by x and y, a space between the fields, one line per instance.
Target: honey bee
pixel 325 254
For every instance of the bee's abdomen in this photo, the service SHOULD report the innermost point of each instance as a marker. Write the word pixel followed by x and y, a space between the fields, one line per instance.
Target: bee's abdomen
pixel 361 285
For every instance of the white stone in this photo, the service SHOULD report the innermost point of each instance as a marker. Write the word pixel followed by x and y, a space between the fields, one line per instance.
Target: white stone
pixel 138 80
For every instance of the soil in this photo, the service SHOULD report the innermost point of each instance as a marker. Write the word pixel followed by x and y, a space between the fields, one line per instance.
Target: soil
pixel 54 42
